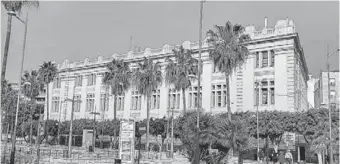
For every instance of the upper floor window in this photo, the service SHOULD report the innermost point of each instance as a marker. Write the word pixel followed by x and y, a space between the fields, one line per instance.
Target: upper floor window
pixel 57 83
pixel 91 80
pixel 173 99
pixel 104 102
pixel 193 97
pixel 264 58
pixel 155 99
pixel 136 100
pixel 90 102
pixel 267 92
pixel 219 95
pixel 79 81
pixel 77 103
pixel 55 104
pixel 257 60
pixel 272 58
pixel 332 94
pixel 120 102
pixel 332 81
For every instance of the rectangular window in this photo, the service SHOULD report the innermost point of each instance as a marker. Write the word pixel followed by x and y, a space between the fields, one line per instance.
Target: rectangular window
pixel 90 102
pixel 79 81
pixel 77 103
pixel 257 96
pixel 332 81
pixel 257 60
pixel 155 99
pixel 332 94
pixel 55 104
pixel 104 102
pixel 193 99
pixel 120 103
pixel 174 99
pixel 264 96
pixel 57 83
pixel 264 59
pixel 91 80
pixel 219 95
pixel 272 95
pixel 272 58
pixel 136 100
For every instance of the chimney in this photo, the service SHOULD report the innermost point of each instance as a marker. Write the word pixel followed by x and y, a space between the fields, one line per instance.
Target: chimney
pixel 265 22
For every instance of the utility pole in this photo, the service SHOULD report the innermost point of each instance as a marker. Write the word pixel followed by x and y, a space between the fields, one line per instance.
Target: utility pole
pixel 172 133
pixel 329 109
pixel 197 151
pixel 257 121
pixel 18 102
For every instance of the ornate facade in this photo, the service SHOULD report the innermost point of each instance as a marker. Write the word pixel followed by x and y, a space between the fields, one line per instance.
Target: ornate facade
pixel 276 62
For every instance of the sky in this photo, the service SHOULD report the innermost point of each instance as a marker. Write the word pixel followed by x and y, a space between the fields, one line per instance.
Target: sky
pixel 76 30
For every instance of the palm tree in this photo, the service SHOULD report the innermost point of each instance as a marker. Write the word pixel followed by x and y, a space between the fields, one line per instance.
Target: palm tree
pixel 13 7
pixel 47 73
pixel 147 78
pixel 118 78
pixel 176 73
pixel 32 90
pixel 228 52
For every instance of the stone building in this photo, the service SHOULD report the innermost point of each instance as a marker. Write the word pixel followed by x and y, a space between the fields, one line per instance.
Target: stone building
pixel 321 90
pixel 276 62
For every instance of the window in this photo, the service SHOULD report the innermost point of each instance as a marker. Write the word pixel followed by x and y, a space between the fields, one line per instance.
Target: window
pixel 136 101
pixel 257 60
pixel 55 104
pixel 257 96
pixel 79 81
pixel 193 100
pixel 264 96
pixel 264 59
pixel 120 102
pixel 272 92
pixel 219 95
pixel 173 99
pixel 77 103
pixel 90 102
pixel 272 58
pixel 104 102
pixel 91 80
pixel 155 99
pixel 332 94
pixel 57 83
pixel 332 81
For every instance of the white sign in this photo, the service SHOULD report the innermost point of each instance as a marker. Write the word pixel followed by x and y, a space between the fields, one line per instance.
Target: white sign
pixel 126 141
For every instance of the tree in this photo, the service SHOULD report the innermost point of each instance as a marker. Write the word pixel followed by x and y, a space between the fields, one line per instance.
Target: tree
pixel 13 7
pixel 47 73
pixel 228 52
pixel 32 86
pixel 118 78
pixel 147 78
pixel 177 73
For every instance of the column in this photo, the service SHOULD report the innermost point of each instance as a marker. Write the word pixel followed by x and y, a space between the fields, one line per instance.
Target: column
pixel 260 59
pixel 269 58
pixel 206 86
pixel 83 96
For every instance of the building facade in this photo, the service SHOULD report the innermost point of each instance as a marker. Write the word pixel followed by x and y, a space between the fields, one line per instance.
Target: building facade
pixel 311 83
pixel 321 90
pixel 276 62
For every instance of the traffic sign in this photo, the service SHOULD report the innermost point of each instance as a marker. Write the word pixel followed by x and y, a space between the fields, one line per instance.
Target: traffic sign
pixel 141 129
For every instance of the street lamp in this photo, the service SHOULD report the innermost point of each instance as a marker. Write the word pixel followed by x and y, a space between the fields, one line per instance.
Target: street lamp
pixel 21 69
pixel 71 122
pixel 172 131
pixel 257 121
pixel 94 130
pixel 329 106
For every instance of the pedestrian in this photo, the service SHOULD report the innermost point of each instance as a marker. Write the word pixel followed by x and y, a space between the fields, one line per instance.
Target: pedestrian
pixel 281 158
pixel 275 158
pixel 289 157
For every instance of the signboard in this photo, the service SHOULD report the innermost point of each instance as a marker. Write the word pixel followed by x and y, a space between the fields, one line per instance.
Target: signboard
pixel 126 141
pixel 289 140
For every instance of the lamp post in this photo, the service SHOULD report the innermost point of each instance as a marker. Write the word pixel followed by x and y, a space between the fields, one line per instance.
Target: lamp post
pixel 172 132
pixel 329 106
pixel 197 151
pixel 257 122
pixel 71 123
pixel 18 103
